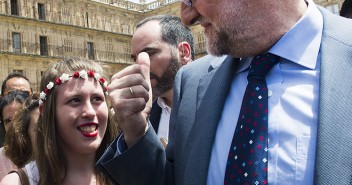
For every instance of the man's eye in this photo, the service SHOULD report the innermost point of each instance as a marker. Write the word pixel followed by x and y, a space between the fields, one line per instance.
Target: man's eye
pixel 151 53
pixel 6 122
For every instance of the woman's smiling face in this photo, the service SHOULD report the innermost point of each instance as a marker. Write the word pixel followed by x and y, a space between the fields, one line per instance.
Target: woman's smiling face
pixel 81 115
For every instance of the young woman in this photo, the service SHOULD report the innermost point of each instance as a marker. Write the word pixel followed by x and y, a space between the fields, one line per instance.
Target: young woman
pixel 9 105
pixel 75 125
pixel 20 137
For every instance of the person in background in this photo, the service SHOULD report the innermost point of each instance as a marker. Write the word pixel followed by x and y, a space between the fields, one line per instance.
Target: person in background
pixel 21 136
pixel 169 45
pixel 346 9
pixel 9 105
pixel 75 125
pixel 14 81
pixel 305 120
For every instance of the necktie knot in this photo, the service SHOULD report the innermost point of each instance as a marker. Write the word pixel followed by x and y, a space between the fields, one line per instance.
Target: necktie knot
pixel 261 65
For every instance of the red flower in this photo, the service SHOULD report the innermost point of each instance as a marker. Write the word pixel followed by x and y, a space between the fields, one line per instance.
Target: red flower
pixel 76 74
pixel 58 81
pixel 46 90
pixel 90 73
pixel 102 80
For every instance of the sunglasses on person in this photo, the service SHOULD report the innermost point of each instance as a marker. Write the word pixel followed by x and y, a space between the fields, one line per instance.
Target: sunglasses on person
pixel 17 91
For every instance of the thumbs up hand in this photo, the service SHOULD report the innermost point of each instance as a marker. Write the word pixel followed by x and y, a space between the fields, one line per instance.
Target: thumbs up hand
pixel 131 98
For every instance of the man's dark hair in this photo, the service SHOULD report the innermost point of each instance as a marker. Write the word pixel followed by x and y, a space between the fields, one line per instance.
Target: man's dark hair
pixel 12 75
pixel 346 9
pixel 172 30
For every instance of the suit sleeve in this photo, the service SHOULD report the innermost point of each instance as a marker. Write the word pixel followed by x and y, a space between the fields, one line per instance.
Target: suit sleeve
pixel 142 164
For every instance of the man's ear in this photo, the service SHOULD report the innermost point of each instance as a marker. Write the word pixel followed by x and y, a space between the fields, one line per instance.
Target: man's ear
pixel 185 52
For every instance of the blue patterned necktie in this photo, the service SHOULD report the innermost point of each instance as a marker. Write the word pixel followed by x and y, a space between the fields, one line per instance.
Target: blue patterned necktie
pixel 248 156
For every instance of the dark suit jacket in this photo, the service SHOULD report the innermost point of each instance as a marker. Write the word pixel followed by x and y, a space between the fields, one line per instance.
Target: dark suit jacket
pixel 200 91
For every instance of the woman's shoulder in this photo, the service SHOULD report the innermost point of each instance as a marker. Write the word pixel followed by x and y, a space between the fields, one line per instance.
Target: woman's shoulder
pixel 11 179
pixel 6 164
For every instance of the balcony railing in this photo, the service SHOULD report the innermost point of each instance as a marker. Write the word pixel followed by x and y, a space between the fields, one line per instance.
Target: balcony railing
pixel 101 19
pixel 137 7
pixel 57 51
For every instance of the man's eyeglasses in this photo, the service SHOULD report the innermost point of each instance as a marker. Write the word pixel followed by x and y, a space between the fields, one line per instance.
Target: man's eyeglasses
pixel 187 2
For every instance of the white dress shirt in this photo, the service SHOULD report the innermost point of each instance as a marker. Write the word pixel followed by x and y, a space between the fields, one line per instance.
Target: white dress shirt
pixel 293 106
pixel 163 129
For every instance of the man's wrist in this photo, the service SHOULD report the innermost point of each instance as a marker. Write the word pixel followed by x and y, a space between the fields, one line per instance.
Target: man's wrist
pixel 132 139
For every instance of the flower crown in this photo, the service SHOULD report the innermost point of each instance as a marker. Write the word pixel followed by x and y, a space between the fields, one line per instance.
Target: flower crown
pixel 64 78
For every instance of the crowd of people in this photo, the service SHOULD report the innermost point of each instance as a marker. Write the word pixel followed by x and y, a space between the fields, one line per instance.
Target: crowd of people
pixel 170 119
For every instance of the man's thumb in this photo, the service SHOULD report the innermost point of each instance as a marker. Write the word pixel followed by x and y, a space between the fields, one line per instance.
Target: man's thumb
pixel 144 61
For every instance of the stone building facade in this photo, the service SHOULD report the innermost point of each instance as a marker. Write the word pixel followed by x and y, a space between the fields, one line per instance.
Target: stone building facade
pixel 34 33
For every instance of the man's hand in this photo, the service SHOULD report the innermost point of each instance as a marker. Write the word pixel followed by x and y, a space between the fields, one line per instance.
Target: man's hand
pixel 130 95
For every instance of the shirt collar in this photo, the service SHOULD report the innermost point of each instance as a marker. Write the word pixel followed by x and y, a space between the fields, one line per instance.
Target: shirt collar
pixel 302 42
pixel 162 104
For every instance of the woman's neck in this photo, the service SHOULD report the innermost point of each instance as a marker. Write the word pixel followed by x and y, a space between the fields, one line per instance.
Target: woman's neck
pixel 80 170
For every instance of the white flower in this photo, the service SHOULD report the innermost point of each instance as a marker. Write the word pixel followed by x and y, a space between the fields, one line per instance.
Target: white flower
pixel 50 85
pixel 97 76
pixel 40 102
pixel 42 95
pixel 83 74
pixel 64 77
pixel 105 84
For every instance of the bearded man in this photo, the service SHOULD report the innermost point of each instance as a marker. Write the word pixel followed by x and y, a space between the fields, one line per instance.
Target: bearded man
pixel 169 45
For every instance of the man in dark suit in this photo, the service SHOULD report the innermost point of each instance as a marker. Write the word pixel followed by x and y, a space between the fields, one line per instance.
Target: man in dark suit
pixel 169 45
pixel 308 92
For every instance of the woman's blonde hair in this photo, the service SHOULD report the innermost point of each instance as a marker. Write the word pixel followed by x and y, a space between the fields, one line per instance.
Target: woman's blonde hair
pixel 51 162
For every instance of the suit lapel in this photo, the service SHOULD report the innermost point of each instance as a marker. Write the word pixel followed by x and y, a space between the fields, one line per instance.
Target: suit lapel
pixel 212 93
